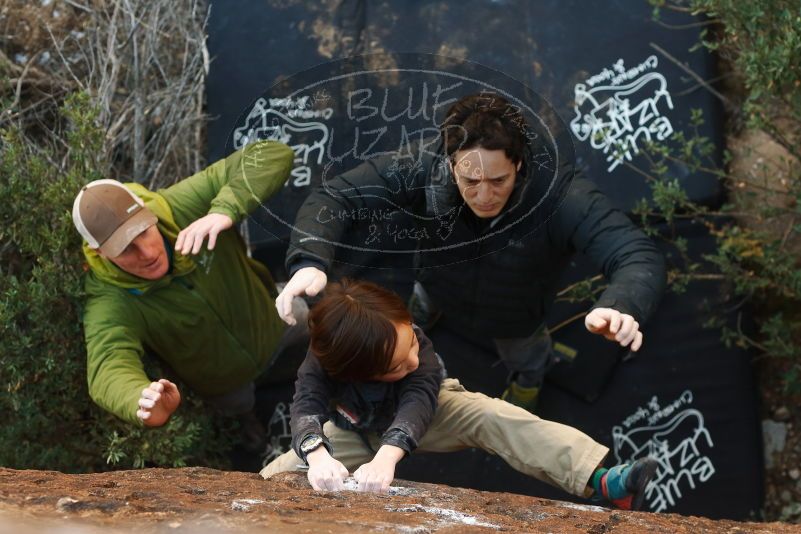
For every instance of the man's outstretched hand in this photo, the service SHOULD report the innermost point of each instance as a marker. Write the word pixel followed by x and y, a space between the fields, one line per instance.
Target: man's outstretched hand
pixel 191 238
pixel 309 280
pixel 157 402
pixel 615 326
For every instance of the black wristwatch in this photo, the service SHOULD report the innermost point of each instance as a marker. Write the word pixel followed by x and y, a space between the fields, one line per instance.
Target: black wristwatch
pixel 310 443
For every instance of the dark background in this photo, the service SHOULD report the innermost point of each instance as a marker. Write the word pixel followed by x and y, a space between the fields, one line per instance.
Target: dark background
pixel 549 46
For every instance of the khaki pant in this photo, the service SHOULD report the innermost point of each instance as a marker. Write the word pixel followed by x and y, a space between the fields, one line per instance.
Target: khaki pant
pixel 554 453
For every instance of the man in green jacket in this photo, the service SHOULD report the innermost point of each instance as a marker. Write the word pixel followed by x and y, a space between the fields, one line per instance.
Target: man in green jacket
pixel 208 314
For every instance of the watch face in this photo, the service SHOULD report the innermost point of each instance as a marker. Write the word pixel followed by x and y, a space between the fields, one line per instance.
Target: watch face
pixel 311 443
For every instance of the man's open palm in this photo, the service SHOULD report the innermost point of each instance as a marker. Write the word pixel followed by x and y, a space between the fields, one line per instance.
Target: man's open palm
pixel 190 239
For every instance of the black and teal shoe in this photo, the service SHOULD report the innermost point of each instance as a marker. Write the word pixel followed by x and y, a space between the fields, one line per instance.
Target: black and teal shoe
pixel 624 485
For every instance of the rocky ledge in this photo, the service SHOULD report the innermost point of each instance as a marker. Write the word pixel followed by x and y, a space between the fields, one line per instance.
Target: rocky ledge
pixel 200 500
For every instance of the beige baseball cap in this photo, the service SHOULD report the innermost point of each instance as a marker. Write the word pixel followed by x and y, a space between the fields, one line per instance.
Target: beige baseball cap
pixel 109 216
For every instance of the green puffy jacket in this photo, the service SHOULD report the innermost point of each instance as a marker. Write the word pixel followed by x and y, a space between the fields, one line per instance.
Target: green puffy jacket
pixel 212 319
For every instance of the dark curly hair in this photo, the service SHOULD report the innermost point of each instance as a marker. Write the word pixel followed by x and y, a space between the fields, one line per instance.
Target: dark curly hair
pixel 485 120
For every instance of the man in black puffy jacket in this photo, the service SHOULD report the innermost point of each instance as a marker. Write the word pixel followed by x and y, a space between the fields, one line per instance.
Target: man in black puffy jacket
pixel 495 225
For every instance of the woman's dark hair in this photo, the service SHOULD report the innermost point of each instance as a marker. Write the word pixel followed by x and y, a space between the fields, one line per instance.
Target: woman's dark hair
pixel 485 120
pixel 352 329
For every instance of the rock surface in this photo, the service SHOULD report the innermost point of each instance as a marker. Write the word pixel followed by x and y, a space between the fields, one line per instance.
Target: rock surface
pixel 200 500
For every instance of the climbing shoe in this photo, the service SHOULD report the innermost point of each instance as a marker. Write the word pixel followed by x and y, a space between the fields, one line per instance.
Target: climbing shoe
pixel 624 485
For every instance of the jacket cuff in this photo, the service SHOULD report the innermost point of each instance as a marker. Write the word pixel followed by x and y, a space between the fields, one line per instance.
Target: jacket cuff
pixel 303 262
pixel 609 302
pixel 224 211
pixel 326 444
pixel 399 438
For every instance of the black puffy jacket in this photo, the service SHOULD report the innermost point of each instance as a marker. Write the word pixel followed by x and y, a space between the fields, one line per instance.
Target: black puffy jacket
pixel 400 412
pixel 495 277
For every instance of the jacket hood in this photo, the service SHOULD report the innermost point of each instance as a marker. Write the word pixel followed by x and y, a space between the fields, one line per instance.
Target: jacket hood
pixel 109 273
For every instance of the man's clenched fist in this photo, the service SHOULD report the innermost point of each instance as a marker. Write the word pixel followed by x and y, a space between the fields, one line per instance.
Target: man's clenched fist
pixel 615 326
pixel 157 402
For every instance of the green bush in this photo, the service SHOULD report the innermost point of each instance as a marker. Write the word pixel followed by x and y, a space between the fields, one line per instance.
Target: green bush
pixel 49 420
pixel 763 41
pixel 760 41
